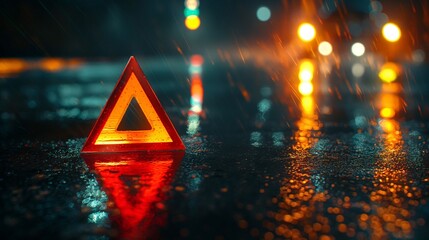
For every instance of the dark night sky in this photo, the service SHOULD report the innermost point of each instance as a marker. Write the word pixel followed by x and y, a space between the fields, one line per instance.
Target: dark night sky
pixel 118 28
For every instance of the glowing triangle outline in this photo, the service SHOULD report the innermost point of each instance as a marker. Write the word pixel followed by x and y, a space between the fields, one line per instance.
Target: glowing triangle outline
pixel 109 133
pixel 132 83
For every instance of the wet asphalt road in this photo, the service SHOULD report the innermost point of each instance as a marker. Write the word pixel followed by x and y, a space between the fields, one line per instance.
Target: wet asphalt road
pixel 262 161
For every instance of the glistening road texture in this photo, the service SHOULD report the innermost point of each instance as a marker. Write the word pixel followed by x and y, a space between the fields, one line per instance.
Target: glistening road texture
pixel 349 160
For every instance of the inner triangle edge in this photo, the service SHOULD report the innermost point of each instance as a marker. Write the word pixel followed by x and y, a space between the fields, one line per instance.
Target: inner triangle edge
pixel 110 135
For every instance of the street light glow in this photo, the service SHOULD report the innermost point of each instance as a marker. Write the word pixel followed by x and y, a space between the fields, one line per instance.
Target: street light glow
pixel 305 75
pixel 306 32
pixel 358 49
pixel 391 32
pixel 325 48
pixel 305 88
pixel 306 70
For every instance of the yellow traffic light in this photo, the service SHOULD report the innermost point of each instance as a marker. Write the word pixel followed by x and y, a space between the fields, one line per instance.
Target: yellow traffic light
pixel 192 22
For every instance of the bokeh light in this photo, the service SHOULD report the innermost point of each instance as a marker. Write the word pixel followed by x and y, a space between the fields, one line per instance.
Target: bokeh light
pixel 306 69
pixel 387 112
pixel 358 49
pixel 305 75
pixel 325 48
pixel 391 32
pixel 197 93
pixel 389 72
pixel 376 6
pixel 263 14
pixel 192 22
pixel 307 103
pixel 387 75
pixel 358 70
pixel 418 56
pixel 306 65
pixel 197 60
pixel 196 64
pixel 305 88
pixel 52 64
pixel 192 4
pixel 306 32
pixel 389 125
pixel 379 19
pixel 11 66
pixel 189 12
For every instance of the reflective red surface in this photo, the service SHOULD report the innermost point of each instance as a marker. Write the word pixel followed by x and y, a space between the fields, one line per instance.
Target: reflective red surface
pixel 136 185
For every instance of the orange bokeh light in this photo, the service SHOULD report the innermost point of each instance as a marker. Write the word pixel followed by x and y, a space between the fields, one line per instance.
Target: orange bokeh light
pixel 389 125
pixel 52 64
pixel 11 66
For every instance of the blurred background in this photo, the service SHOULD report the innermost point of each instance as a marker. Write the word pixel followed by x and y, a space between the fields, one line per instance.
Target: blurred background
pixel 102 28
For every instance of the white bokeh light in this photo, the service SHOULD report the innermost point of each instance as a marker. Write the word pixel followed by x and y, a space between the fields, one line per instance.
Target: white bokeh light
pixel 358 70
pixel 325 48
pixel 358 49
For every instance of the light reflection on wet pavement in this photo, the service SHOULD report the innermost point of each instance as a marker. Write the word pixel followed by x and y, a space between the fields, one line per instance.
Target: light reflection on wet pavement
pixel 347 160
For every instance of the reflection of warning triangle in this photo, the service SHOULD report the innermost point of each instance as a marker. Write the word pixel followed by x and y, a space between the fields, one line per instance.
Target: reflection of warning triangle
pixel 133 118
pixel 136 184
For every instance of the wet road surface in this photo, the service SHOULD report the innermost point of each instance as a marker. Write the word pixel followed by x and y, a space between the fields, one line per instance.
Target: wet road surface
pixel 264 159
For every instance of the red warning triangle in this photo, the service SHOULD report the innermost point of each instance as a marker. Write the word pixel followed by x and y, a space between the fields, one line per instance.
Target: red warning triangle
pixel 158 134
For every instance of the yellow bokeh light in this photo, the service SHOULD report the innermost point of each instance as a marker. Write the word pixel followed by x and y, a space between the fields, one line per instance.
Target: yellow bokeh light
pixel 387 75
pixel 306 65
pixel 305 88
pixel 305 75
pixel 391 32
pixel 325 48
pixel 389 72
pixel 387 112
pixel 306 32
pixel 307 103
pixel 306 69
pixel 192 22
